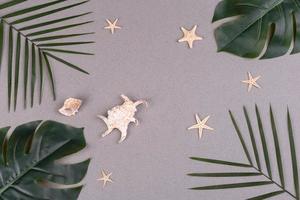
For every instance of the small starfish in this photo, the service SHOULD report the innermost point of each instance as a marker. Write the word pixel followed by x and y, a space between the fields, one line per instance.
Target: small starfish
pixel 105 178
pixel 201 124
pixel 251 82
pixel 189 36
pixel 112 26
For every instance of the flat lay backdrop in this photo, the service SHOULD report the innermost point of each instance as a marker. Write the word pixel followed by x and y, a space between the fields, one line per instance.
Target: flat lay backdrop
pixel 144 61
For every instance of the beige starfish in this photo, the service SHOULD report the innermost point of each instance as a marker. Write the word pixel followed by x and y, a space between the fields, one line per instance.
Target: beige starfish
pixel 112 26
pixel 201 124
pixel 189 36
pixel 251 82
pixel 105 178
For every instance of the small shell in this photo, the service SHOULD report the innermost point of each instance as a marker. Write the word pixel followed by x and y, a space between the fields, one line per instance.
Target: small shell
pixel 71 106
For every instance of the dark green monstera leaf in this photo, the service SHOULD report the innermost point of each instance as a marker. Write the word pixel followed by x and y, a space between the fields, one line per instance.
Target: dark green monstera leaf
pixel 28 162
pixel 264 29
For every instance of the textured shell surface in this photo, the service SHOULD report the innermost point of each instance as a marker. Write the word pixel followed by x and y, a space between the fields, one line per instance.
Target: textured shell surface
pixel 70 107
pixel 120 116
pixel 120 113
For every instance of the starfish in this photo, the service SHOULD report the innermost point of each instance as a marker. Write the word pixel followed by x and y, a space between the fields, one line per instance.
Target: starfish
pixel 201 124
pixel 189 36
pixel 112 26
pixel 251 82
pixel 105 178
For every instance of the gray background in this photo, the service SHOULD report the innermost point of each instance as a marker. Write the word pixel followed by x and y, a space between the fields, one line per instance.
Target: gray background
pixel 144 61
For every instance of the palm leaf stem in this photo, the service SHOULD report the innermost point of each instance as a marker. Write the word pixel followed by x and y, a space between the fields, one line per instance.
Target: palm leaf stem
pixel 274 182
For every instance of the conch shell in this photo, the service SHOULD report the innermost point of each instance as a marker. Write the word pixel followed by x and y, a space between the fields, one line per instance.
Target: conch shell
pixel 119 117
pixel 71 106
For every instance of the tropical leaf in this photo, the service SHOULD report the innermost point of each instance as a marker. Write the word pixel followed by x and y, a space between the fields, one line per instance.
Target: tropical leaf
pixel 38 41
pixel 255 28
pixel 255 169
pixel 28 161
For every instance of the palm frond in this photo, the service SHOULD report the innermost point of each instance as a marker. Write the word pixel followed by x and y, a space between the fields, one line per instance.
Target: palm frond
pixel 11 3
pixel 226 174
pixel 220 162
pixel 267 195
pixel 38 41
pixel 67 51
pixel 263 141
pixel 65 62
pixel 17 69
pixel 60 28
pixel 33 73
pixel 293 155
pixel 237 129
pixel 50 76
pixel 1 40
pixel 253 142
pixel 10 65
pixel 277 148
pixel 233 185
pixel 26 67
pixel 51 22
pixel 269 179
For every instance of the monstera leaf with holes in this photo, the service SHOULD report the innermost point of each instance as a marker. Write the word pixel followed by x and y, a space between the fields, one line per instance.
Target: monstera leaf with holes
pixel 255 166
pixel 26 29
pixel 257 24
pixel 28 161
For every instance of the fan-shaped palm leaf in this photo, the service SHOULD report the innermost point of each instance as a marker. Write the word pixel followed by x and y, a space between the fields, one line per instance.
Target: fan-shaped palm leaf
pixel 36 38
pixel 274 23
pixel 28 164
pixel 268 176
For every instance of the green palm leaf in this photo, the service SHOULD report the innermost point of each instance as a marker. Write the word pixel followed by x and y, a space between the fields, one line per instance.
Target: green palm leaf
pixel 253 142
pixel 28 159
pixel 226 174
pixel 26 67
pixel 11 3
pixel 67 51
pixel 220 162
pixel 60 28
pixel 50 76
pixel 28 10
pixel 277 148
pixel 1 40
pixel 233 185
pixel 38 41
pixel 43 14
pixel 237 129
pixel 267 195
pixel 256 24
pixel 17 69
pixel 33 73
pixel 263 141
pixel 258 171
pixel 58 37
pixel 51 22
pixel 293 155
pixel 10 65
pixel 41 76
